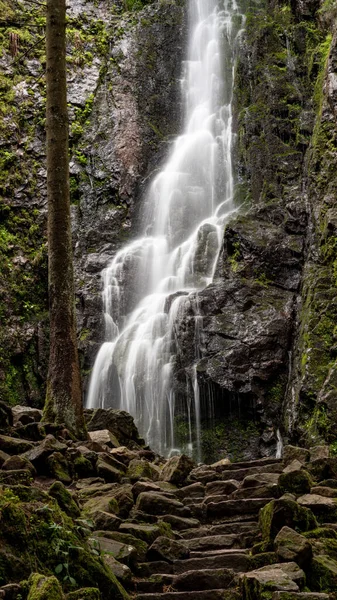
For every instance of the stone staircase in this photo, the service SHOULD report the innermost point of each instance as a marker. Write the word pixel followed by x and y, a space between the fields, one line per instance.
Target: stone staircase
pixel 218 530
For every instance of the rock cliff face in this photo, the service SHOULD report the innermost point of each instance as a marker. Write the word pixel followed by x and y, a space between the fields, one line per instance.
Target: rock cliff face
pixel 267 346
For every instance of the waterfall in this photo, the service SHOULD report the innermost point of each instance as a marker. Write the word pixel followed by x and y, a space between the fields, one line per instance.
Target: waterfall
pixel 149 281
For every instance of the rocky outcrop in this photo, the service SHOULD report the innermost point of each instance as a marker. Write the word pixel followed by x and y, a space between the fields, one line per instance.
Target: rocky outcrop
pixel 124 64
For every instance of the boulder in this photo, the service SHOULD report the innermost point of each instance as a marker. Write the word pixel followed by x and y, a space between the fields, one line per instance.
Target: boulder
pixel 104 437
pixel 296 481
pixel 140 546
pixel 142 469
pixel 157 504
pixel 123 454
pixel 83 467
pixel 322 575
pixel 26 414
pixel 204 579
pixel 286 577
pixel 6 416
pixel 119 422
pixel 58 467
pixel 122 552
pixel 177 469
pixel 42 587
pixel 122 572
pixel 323 468
pixel 147 533
pixel 17 477
pixel 221 463
pixel 105 521
pixel 104 503
pixel 322 490
pixel 215 488
pixel 164 548
pixel 180 523
pixel 124 497
pixel 319 452
pixel 194 490
pixel 108 471
pixel 291 453
pixel 284 511
pixel 12 445
pixel 64 499
pixel 292 546
pixel 16 462
pixel 204 474
pixel 39 454
pixel 325 508
pixel 31 431
pixel 259 479
pixel 3 457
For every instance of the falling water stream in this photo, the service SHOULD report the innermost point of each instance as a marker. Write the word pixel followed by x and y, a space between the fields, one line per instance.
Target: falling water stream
pixel 148 281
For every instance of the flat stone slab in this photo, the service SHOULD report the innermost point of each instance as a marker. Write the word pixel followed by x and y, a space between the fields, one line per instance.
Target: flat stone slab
pixel 204 595
pixel 235 507
pixel 230 559
pixel 241 473
pixel 203 579
pixel 214 542
pixel 300 596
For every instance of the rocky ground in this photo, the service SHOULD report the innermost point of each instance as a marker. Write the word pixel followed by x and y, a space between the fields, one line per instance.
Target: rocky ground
pixel 109 519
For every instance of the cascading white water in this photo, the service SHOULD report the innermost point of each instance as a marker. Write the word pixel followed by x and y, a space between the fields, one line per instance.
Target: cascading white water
pixel 188 203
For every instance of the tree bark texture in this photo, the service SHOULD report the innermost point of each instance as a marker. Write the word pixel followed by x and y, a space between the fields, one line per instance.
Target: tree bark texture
pixel 64 394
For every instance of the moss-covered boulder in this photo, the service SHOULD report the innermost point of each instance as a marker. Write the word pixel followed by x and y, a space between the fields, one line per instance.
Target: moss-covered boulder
pixel 292 546
pixel 296 482
pixel 322 575
pixel 64 498
pixel 261 583
pixel 59 467
pixel 18 462
pixel 34 530
pixel 84 594
pixel 142 469
pixel 12 445
pixel 284 511
pixel 44 588
pixel 324 508
pixel 140 546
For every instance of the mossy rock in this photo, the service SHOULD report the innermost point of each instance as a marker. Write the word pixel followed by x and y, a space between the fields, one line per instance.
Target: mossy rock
pixel 84 594
pixel 83 467
pixel 321 533
pixel 296 482
pixel 322 575
pixel 128 539
pixel 284 511
pixel 142 469
pixel 59 468
pixel 44 588
pixel 64 499
pixel 34 532
pixel 104 503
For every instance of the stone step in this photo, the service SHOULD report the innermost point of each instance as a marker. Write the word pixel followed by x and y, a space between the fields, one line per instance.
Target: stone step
pixel 201 595
pixel 240 473
pixel 236 527
pixel 238 560
pixel 203 579
pixel 259 462
pixel 247 506
pixel 215 542
pixel 301 596
pixel 154 585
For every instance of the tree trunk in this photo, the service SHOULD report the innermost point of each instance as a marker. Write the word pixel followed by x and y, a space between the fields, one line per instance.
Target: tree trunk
pixel 64 394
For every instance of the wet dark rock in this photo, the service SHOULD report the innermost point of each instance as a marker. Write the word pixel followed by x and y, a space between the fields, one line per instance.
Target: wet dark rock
pixel 177 469
pixel 11 445
pixel 6 416
pixel 285 512
pixel 168 550
pixel 18 462
pixel 118 422
pixel 158 504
